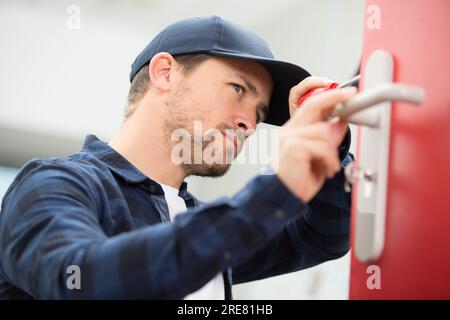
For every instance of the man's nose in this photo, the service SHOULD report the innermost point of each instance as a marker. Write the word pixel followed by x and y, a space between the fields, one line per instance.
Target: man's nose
pixel 245 121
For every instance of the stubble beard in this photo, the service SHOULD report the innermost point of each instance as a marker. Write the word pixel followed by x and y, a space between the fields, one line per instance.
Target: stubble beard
pixel 179 118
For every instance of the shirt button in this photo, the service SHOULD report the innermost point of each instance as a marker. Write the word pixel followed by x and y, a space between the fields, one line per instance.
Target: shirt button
pixel 152 188
pixel 279 214
pixel 227 255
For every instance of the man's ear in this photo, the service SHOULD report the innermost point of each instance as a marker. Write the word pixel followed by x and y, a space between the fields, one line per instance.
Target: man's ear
pixel 161 70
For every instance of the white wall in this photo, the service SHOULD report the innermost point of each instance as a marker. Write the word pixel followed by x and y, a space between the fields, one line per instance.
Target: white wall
pixel 57 84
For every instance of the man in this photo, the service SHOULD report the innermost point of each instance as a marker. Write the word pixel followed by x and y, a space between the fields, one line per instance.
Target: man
pixel 96 224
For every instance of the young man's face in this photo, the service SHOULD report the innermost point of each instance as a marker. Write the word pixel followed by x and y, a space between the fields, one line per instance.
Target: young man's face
pixel 219 103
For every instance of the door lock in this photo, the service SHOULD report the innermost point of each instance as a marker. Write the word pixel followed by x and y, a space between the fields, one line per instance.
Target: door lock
pixel 372 110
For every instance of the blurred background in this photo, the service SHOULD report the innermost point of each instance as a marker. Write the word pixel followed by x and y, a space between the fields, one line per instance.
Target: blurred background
pixel 64 68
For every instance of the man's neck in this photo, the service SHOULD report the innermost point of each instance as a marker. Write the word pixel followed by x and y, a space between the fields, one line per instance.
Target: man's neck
pixel 145 147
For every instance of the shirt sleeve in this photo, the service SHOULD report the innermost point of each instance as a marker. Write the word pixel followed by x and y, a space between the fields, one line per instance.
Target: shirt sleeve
pixel 320 234
pixel 51 220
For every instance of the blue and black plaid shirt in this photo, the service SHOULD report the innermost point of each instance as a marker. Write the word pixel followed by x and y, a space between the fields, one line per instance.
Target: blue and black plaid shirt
pixel 96 211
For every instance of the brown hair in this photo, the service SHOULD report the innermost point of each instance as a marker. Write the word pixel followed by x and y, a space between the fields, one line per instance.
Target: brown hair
pixel 141 82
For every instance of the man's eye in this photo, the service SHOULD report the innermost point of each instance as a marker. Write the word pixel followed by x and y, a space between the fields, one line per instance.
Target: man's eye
pixel 239 89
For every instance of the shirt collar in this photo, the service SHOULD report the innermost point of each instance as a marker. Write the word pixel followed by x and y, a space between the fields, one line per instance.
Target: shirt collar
pixel 121 166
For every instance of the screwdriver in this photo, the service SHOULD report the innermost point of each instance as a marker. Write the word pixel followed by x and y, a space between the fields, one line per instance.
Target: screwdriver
pixel 350 82
pixel 331 86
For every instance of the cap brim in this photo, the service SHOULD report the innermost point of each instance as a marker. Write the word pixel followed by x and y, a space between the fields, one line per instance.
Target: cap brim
pixel 284 76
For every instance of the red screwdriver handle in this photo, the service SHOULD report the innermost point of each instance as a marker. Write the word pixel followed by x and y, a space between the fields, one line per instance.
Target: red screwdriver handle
pixel 313 92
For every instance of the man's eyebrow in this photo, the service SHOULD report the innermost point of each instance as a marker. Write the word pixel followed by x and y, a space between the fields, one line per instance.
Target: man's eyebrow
pixel 264 108
pixel 255 91
pixel 250 85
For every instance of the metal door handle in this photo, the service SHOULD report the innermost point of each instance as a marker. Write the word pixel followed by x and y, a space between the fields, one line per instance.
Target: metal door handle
pixel 378 94
pixel 372 109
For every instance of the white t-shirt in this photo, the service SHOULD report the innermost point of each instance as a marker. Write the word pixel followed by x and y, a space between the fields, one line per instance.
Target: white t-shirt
pixel 214 289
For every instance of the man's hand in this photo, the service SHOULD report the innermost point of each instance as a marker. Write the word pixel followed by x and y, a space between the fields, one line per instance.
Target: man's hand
pixel 308 145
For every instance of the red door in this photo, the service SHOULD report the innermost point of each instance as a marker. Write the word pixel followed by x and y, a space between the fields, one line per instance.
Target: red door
pixel 415 260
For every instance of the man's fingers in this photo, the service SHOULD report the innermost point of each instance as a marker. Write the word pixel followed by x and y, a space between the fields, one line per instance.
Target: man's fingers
pixel 321 151
pixel 303 87
pixel 307 84
pixel 338 129
pixel 332 132
pixel 319 107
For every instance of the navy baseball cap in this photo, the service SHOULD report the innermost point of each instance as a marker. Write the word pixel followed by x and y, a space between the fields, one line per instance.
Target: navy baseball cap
pixel 216 36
